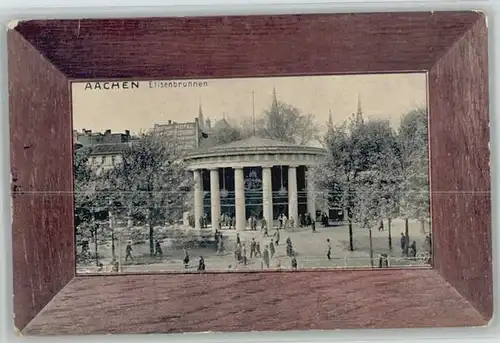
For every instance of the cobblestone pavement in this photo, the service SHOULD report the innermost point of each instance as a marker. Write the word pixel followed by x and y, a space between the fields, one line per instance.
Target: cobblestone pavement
pixel 310 249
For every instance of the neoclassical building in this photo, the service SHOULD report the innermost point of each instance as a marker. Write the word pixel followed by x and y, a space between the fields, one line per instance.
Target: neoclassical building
pixel 254 176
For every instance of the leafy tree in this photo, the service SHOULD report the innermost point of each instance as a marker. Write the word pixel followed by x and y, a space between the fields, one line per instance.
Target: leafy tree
pixel 336 172
pixel 90 203
pixel 354 149
pixel 286 123
pixel 83 175
pixel 366 198
pixel 151 181
pixel 225 135
pixel 412 155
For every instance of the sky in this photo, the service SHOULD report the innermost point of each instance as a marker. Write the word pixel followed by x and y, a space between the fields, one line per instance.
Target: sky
pixel 382 96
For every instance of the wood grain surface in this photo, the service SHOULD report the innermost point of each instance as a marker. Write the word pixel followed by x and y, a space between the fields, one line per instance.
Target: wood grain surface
pixel 45 55
pixel 240 302
pixel 247 45
pixel 460 168
pixel 41 154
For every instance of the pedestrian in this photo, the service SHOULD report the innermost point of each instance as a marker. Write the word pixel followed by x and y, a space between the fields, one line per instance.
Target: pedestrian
pixel 238 240
pixel 383 261
pixel 128 251
pixel 294 262
pixel 263 224
pixel 301 220
pixel 237 252
pixel 186 258
pixel 313 225
pixel 265 256
pixel 201 264
pixel 253 245
pixel 216 239
pixel 289 248
pixel 329 249
pixel 413 249
pixel 244 255
pixel 428 244
pixel 220 246
pixel 402 241
pixel 277 237
pixel 257 250
pixel 285 222
pixel 271 248
pixel 158 250
pixel 280 221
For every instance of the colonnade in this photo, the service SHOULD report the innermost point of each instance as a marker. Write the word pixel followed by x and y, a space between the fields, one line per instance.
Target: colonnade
pixel 239 191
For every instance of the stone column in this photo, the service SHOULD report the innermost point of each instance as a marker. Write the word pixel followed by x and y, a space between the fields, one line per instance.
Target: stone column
pixel 292 194
pixel 239 198
pixel 311 195
pixel 267 196
pixel 215 197
pixel 198 198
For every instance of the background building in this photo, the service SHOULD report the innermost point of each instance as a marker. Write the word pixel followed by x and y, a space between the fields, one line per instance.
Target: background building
pixel 189 135
pixel 107 148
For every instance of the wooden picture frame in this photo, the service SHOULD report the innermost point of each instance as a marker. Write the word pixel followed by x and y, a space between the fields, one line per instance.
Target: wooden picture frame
pixel 45 55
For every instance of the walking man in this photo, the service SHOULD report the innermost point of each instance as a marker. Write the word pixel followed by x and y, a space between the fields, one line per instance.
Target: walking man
pixel 128 251
pixel 329 249
pixel 277 237
pixel 158 250
pixel 253 245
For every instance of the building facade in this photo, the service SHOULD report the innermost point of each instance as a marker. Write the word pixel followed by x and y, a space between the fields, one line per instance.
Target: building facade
pixel 106 148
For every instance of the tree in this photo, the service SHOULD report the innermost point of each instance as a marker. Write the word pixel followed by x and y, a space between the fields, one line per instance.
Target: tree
pixel 413 163
pixel 151 181
pixel 83 175
pixel 286 123
pixel 366 198
pixel 90 203
pixel 386 166
pixel 354 149
pixel 225 135
pixel 335 172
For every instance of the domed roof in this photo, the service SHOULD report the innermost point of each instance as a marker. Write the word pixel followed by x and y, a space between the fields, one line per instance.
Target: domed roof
pixel 252 142
pixel 255 146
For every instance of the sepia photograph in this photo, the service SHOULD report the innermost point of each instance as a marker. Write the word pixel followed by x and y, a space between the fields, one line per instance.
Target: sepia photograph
pixel 252 174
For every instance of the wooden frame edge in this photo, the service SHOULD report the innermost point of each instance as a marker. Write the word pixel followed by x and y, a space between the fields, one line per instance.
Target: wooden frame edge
pixel 60 295
pixel 29 190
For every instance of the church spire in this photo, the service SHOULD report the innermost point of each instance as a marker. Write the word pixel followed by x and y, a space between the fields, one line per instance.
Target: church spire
pixel 329 125
pixel 330 119
pixel 360 111
pixel 274 105
pixel 201 121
